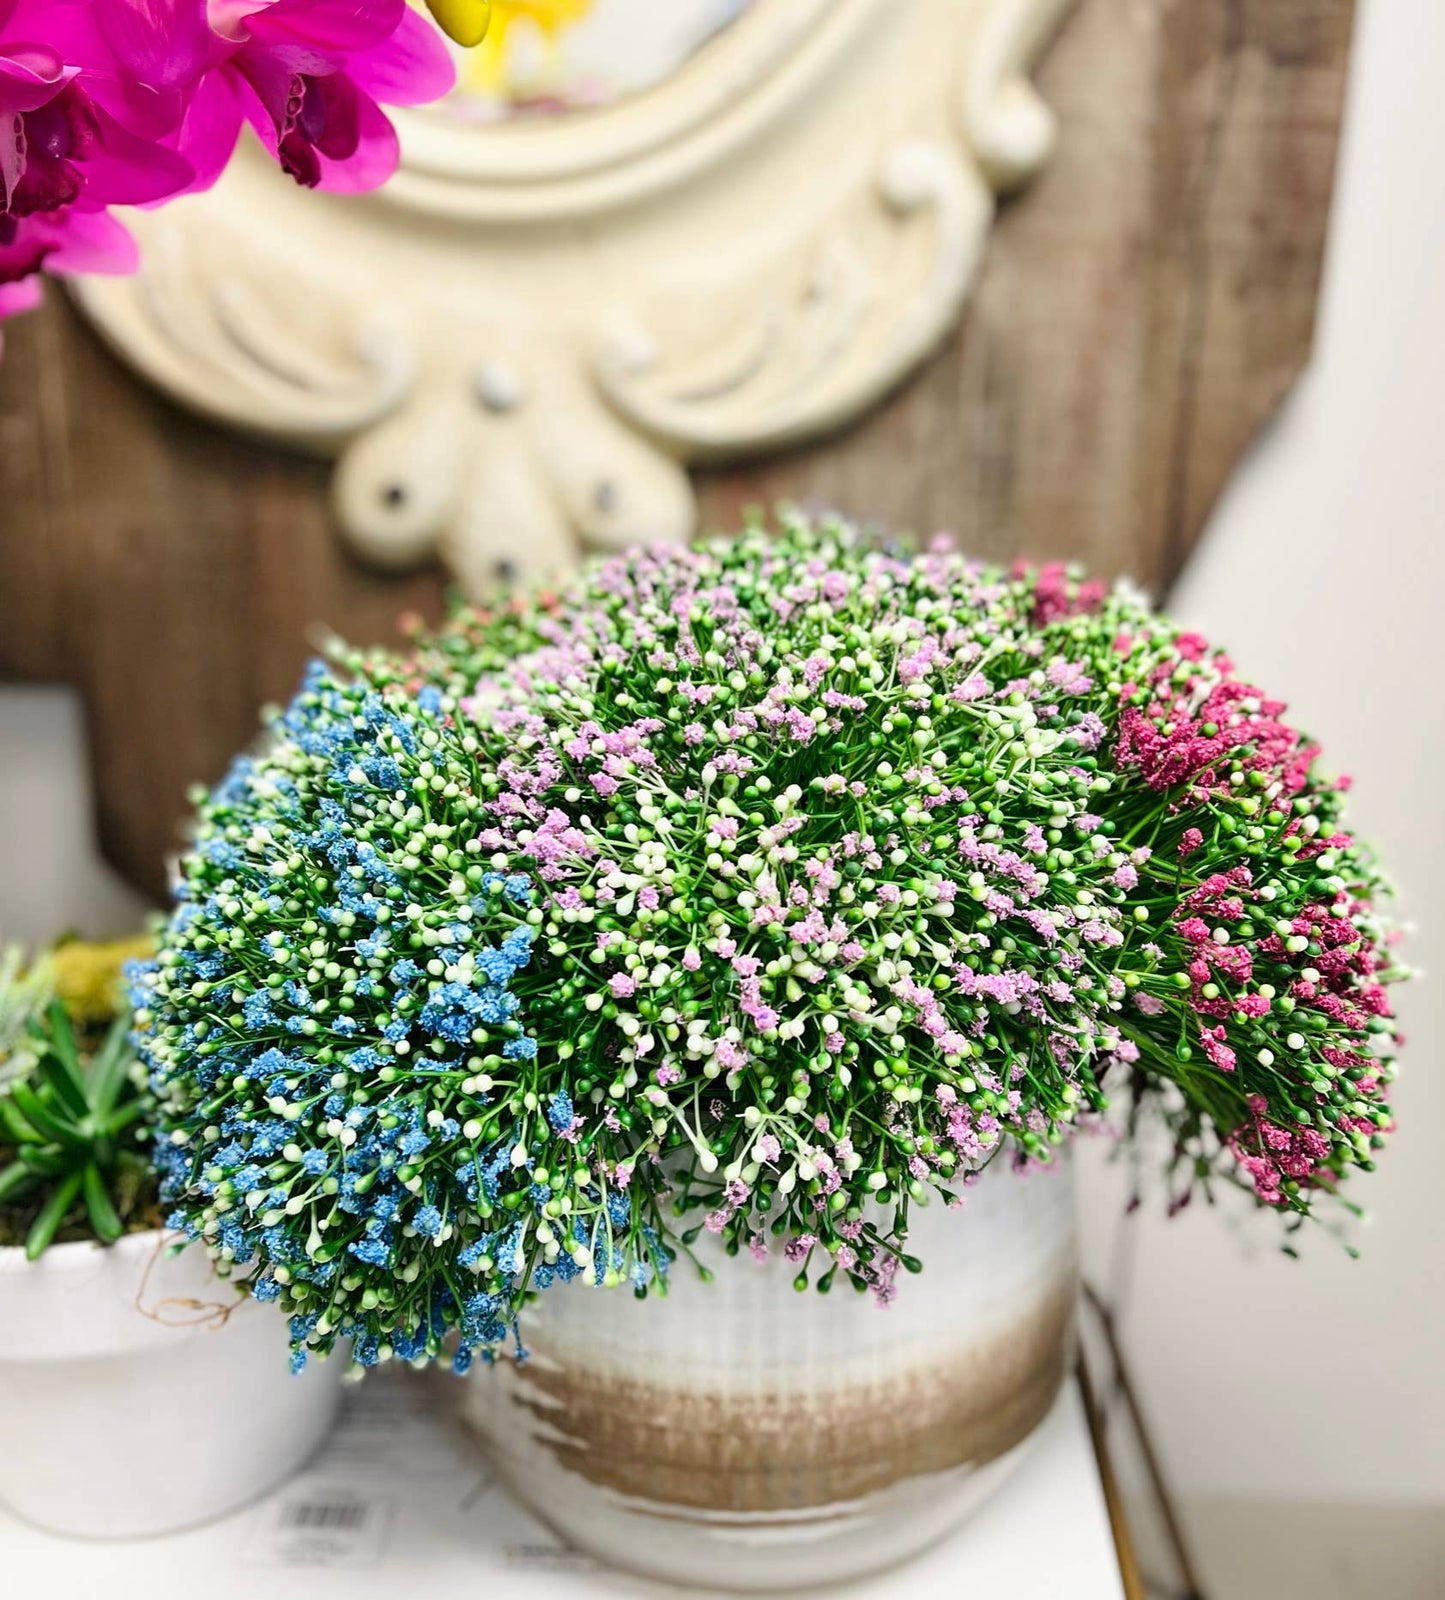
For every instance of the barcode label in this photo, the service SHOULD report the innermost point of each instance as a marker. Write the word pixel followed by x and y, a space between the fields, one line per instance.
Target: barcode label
pixel 322 1525
pixel 348 1516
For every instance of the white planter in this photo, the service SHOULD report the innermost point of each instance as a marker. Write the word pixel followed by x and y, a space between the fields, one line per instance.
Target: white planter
pixel 132 1403
pixel 745 1435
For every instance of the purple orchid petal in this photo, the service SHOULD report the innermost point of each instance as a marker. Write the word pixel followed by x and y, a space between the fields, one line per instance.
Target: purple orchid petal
pixel 24 244
pixel 211 128
pixel 23 296
pixel 330 117
pixel 71 147
pixel 49 143
pixel 29 80
pixel 75 240
pixel 263 90
pixel 164 44
pixel 334 28
pixel 374 160
pixel 127 171
pixel 411 68
pixel 30 74
pixel 73 28
pixel 327 124
pixel 92 241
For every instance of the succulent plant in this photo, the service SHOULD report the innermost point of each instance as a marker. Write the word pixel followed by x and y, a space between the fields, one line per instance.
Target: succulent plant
pixel 70 1131
pixel 24 993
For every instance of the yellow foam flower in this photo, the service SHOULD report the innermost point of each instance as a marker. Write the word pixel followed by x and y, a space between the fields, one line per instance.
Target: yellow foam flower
pixel 87 977
pixel 466 21
pixel 549 17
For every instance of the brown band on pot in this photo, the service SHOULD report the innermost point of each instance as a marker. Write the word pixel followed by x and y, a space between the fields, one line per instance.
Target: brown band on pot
pixel 766 1452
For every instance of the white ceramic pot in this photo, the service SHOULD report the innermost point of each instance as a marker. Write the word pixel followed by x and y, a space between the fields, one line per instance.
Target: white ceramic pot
pixel 139 1395
pixel 745 1435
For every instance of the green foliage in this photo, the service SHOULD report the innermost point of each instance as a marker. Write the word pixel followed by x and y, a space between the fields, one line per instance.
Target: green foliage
pixel 24 994
pixel 71 1131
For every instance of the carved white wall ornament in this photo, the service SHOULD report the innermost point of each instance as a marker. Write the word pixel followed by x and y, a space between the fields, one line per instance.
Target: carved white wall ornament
pixel 516 346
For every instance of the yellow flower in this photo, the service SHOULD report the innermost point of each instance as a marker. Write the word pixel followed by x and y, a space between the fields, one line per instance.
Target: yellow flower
pixel 87 977
pixel 465 21
pixel 549 17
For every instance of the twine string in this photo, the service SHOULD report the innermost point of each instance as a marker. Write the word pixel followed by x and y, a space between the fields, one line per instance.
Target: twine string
pixel 191 1313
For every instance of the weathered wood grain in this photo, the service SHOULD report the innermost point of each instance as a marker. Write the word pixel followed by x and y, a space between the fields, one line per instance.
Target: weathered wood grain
pixel 1143 309
pixel 176 575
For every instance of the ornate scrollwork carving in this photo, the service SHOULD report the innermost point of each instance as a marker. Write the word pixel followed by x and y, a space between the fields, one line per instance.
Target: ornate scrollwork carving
pixel 514 350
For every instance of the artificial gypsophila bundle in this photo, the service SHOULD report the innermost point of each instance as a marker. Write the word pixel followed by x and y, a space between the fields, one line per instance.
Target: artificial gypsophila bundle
pixel 769 889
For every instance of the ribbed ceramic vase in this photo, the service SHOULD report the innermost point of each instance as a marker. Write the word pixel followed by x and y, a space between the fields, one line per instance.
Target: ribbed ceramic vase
pixel 743 1435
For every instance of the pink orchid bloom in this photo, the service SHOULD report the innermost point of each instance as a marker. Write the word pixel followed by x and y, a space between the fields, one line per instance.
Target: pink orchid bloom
pixel 64 157
pixel 74 127
pixel 310 77
pixel 129 102
pixel 71 242
pixel 316 70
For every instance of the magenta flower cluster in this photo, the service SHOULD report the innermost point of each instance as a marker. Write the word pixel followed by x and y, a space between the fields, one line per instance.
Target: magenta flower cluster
pixel 109 103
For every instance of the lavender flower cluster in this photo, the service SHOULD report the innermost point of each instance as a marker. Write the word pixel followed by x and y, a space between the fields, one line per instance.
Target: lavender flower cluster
pixel 847 870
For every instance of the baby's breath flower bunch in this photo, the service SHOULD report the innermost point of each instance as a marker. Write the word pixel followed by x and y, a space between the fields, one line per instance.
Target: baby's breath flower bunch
pixel 333 1033
pixel 771 888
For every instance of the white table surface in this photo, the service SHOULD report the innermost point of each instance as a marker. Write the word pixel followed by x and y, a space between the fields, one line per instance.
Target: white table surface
pixel 398 1506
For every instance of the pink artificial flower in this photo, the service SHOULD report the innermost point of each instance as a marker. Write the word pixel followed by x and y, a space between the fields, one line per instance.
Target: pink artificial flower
pixel 76 129
pixel 309 76
pixel 130 102
pixel 65 155
pixel 69 241
pixel 1215 1048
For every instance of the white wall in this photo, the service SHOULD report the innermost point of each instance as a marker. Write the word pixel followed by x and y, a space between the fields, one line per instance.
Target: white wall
pixel 1325 573
pixel 50 879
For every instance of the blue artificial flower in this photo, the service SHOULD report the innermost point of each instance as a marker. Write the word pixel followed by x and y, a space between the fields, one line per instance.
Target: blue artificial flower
pixel 472 1253
pixel 559 1113
pixel 372 1251
pixel 299 838
pixel 508 1256
pixel 257 1011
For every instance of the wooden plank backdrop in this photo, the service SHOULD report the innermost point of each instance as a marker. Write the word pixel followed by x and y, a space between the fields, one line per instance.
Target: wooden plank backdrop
pixel 1144 308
